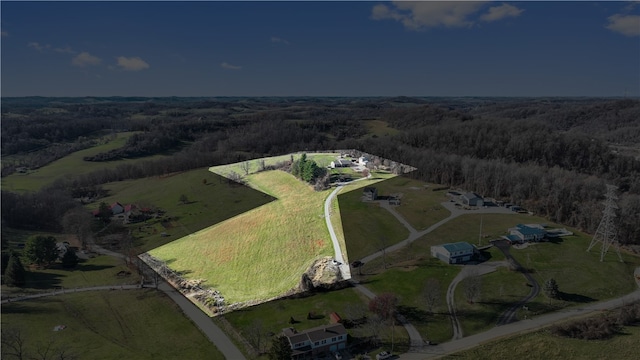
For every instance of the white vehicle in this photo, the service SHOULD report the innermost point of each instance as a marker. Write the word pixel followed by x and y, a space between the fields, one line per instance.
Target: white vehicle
pixel 383 355
pixel 337 356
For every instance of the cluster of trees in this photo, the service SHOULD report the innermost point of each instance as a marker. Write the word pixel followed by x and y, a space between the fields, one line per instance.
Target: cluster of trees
pixel 599 327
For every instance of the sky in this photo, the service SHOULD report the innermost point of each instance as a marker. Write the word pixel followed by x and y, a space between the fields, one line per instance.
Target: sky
pixel 335 48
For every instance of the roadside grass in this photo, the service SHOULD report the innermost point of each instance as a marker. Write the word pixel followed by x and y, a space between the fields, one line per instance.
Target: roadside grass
pixel 69 165
pixel 263 252
pixel 499 290
pixel 126 324
pixel 275 316
pixel 420 205
pixel 541 345
pixel 407 281
pixel 208 204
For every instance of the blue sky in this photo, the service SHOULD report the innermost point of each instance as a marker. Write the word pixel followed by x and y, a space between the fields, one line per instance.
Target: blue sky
pixel 320 48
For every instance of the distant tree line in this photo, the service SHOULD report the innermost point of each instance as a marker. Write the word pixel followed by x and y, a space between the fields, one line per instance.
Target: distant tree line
pixel 552 156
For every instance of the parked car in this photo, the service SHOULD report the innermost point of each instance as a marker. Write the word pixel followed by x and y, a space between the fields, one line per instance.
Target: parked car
pixel 383 355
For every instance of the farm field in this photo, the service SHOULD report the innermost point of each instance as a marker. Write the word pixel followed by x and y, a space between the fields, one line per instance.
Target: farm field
pixel 105 325
pixel 70 164
pixel 211 199
pixel 541 345
pixel 261 253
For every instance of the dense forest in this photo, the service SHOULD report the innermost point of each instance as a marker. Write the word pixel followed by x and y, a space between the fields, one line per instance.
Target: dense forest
pixel 552 155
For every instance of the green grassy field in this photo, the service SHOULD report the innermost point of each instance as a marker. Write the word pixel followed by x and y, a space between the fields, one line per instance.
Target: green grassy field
pixel 71 164
pixel 118 324
pixel 261 253
pixel 321 159
pixel 408 282
pixel 499 291
pixel 367 227
pixel 541 345
pixel 208 204
pixel 420 205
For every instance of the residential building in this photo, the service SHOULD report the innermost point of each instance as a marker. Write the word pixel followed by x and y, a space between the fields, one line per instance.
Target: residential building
pixel 369 193
pixel 363 161
pixel 340 163
pixel 316 342
pixel 453 253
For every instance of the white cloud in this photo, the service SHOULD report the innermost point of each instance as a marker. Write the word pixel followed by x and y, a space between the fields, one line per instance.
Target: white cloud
pixel 65 49
pixel 37 46
pixel 230 67
pixel 628 25
pixel 132 64
pixel 84 58
pixel 276 39
pixel 501 12
pixel 419 15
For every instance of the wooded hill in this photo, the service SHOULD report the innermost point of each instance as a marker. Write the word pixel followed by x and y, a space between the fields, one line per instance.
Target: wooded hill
pixel 552 156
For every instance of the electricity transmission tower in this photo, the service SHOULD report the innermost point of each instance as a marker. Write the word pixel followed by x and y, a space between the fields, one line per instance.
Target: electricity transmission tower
pixel 606 233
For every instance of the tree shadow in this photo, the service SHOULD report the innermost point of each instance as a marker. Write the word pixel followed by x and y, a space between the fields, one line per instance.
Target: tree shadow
pixel 575 297
pixel 414 314
pixel 555 240
pixel 90 267
pixel 42 280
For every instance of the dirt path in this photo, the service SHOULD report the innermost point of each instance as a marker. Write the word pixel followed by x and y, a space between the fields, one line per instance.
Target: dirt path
pixel 509 315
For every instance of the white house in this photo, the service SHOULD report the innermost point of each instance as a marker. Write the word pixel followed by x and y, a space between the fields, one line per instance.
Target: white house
pixel 363 161
pixel 317 341
pixel 453 253
pixel 340 163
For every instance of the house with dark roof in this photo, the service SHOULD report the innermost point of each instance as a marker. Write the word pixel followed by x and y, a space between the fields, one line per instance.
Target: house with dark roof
pixel 526 233
pixel 369 193
pixel 453 253
pixel 316 342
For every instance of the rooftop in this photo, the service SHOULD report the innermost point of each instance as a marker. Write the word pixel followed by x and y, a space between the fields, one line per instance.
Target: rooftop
pixel 459 246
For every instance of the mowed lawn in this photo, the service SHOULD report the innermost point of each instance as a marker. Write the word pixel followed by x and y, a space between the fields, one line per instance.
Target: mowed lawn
pixel 211 199
pixel 321 159
pixel 261 253
pixel 70 164
pixel 101 325
pixel 420 205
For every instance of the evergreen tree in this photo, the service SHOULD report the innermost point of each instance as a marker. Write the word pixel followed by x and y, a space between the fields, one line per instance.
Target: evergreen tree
pixel 280 349
pixel 15 273
pixel 69 259
pixel 41 249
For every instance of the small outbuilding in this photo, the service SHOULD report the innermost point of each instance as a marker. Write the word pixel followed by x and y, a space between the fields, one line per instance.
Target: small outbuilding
pixel 472 199
pixel 526 233
pixel 453 253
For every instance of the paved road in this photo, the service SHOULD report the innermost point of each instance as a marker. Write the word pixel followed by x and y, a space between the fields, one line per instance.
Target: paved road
pixel 519 327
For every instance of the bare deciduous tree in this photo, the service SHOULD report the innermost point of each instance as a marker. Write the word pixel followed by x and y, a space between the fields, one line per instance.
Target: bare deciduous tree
pixel 472 288
pixel 245 166
pixel 432 294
